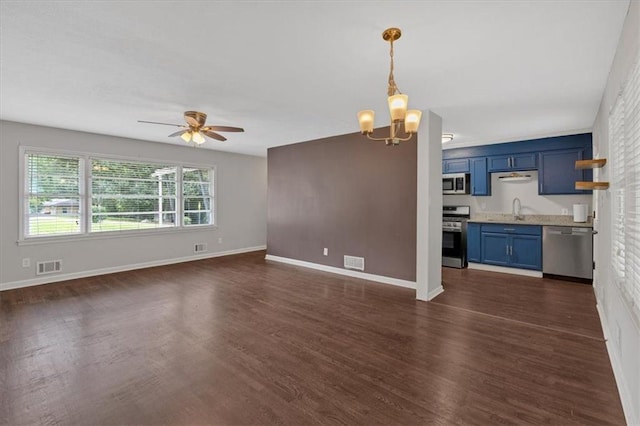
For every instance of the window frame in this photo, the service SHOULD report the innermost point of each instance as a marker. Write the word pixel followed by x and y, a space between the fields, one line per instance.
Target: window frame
pixel 85 177
pixel 625 176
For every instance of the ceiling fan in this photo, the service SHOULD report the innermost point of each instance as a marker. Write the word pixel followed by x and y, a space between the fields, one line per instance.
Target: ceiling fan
pixel 195 129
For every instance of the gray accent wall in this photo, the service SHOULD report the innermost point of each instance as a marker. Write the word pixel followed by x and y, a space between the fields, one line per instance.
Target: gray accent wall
pixel 241 194
pixel 348 194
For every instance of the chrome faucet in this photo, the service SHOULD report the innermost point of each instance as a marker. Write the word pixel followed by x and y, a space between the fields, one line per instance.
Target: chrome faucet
pixel 516 211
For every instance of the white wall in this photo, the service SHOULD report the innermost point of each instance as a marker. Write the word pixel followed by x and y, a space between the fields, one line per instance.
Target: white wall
pixel 503 193
pixel 241 201
pixel 620 327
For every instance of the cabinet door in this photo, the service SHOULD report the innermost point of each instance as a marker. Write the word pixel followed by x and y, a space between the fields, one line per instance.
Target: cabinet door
pixel 495 249
pixel 525 252
pixel 501 163
pixel 456 166
pixel 480 180
pixel 473 242
pixel 557 173
pixel 523 161
pixel 513 162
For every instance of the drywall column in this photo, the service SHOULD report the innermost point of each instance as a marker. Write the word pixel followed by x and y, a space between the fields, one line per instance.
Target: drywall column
pixel 429 205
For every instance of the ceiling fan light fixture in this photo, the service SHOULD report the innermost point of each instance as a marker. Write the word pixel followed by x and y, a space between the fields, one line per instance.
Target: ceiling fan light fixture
pixel 186 136
pixel 198 138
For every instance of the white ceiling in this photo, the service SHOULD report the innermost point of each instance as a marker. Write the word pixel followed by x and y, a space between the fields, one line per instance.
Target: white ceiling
pixel 296 71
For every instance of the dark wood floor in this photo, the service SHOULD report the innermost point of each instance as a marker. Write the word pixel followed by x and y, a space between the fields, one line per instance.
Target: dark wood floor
pixel 239 340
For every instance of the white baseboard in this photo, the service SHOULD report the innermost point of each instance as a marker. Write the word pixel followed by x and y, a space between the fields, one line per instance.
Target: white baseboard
pixel 505 270
pixel 628 406
pixel 340 271
pixel 435 292
pixel 73 275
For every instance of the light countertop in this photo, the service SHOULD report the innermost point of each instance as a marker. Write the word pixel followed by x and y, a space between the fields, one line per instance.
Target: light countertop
pixel 530 219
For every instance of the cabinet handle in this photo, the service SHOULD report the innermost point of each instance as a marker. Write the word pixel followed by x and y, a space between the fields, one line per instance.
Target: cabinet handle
pixel 509 229
pixel 507 250
pixel 510 250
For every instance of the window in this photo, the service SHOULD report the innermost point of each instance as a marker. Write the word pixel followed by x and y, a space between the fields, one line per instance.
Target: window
pixel 197 196
pixel 624 134
pixel 67 194
pixel 129 195
pixel 53 200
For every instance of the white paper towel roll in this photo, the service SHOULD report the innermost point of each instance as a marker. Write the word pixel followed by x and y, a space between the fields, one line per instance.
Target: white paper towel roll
pixel 580 212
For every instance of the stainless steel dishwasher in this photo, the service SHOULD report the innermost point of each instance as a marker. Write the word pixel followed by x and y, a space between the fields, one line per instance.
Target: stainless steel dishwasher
pixel 567 251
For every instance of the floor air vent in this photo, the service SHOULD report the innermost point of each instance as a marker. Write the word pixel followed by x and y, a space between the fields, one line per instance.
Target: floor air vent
pixel 200 247
pixel 49 267
pixel 353 262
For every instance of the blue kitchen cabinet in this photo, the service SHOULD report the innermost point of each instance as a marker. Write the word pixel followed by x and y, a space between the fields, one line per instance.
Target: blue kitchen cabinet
pixel 557 173
pixel 480 177
pixel 495 249
pixel 513 162
pixel 473 242
pixel 515 246
pixel 460 165
pixel 526 252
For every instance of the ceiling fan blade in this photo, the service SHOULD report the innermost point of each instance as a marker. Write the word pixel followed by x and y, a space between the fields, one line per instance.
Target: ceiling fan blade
pixel 213 135
pixel 224 128
pixel 164 124
pixel 191 121
pixel 178 133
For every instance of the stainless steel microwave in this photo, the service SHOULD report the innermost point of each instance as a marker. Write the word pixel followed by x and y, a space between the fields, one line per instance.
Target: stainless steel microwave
pixel 456 183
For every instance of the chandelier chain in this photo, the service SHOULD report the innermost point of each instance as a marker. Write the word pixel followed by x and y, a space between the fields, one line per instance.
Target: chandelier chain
pixel 393 88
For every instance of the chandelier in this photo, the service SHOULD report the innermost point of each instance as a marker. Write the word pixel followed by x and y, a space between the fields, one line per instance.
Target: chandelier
pixel 397 105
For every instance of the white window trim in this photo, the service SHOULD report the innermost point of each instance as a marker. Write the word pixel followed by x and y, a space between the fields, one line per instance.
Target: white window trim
pixel 85 197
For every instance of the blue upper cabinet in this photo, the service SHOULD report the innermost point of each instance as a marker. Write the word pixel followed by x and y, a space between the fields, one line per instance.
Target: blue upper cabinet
pixel 513 162
pixel 480 178
pixel 456 166
pixel 557 173
pixel 553 157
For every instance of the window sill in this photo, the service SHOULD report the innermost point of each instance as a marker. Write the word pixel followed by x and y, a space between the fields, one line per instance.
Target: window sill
pixel 112 234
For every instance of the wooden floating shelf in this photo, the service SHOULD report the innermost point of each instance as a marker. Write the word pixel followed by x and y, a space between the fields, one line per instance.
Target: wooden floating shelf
pixel 592 185
pixel 591 164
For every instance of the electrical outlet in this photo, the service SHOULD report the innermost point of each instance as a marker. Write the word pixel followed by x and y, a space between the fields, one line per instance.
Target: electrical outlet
pixel 565 212
pixel 26 262
pixel 220 240
pixel 325 251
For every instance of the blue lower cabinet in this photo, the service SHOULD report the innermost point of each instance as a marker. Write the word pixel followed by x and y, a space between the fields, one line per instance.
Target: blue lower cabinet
pixel 473 242
pixel 495 249
pixel 515 246
pixel 526 252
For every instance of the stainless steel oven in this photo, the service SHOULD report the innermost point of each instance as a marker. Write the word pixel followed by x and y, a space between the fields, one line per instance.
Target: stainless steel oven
pixel 454 236
pixel 457 183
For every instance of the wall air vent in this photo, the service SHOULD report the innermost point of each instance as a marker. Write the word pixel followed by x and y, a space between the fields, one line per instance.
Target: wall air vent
pixel 353 262
pixel 200 247
pixel 49 267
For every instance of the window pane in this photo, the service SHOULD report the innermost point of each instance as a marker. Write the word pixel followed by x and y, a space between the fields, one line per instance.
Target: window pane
pixel 197 203
pixel 127 195
pixel 53 198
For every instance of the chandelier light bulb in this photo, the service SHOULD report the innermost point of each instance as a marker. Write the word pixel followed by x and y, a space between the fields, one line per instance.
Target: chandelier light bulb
pixel 412 121
pixel 398 107
pixel 365 118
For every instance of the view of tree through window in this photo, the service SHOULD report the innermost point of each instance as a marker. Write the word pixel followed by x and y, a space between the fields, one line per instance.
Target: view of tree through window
pixel 128 195
pixel 196 184
pixel 122 195
pixel 53 195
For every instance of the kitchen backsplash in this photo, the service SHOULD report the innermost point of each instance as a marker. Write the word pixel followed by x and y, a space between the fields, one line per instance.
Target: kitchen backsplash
pixel 503 194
